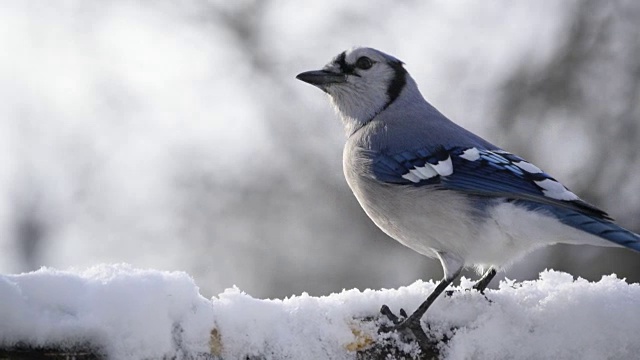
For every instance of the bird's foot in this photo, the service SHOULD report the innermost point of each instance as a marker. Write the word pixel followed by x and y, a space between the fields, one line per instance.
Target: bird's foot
pixel 408 327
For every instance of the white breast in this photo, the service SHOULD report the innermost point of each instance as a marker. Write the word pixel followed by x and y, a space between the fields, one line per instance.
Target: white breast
pixel 424 220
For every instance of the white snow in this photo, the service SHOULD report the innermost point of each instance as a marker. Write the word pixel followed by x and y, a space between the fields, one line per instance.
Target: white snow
pixel 136 314
pixel 131 313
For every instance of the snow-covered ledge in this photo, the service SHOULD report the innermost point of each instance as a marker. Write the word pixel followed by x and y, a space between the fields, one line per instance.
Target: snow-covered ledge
pixel 121 312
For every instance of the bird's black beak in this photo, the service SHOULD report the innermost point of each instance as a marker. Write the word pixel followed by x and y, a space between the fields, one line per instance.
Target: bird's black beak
pixel 321 78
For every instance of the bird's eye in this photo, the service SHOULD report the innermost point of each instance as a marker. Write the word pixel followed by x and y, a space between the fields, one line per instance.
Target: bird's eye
pixel 364 63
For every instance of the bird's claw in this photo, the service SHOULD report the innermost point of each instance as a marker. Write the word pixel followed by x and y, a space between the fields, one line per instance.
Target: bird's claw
pixel 403 313
pixel 406 326
pixel 395 320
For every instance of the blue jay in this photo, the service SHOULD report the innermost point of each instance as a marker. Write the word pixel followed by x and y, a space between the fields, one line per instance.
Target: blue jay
pixel 441 190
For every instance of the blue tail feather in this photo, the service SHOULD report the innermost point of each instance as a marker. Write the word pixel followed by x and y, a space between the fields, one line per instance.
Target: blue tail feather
pixel 603 228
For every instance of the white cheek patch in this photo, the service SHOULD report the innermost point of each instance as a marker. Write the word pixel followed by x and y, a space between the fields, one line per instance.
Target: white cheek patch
pixel 428 171
pixel 555 190
pixel 528 167
pixel 471 154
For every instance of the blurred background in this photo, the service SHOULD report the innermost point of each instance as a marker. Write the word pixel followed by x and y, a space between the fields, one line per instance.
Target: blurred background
pixel 173 135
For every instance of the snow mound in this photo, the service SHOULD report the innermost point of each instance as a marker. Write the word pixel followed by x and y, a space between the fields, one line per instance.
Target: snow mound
pixel 127 313
pixel 130 313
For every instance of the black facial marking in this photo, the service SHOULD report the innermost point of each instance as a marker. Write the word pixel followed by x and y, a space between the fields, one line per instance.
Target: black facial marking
pixel 342 62
pixel 398 82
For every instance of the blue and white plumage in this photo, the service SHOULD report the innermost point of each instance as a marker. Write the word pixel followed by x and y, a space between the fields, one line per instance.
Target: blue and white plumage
pixel 439 189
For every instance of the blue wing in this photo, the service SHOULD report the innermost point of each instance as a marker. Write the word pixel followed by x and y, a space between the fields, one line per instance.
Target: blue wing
pixel 496 173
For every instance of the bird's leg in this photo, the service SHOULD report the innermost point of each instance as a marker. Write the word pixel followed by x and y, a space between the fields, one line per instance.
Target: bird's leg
pixel 412 323
pixel 484 281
